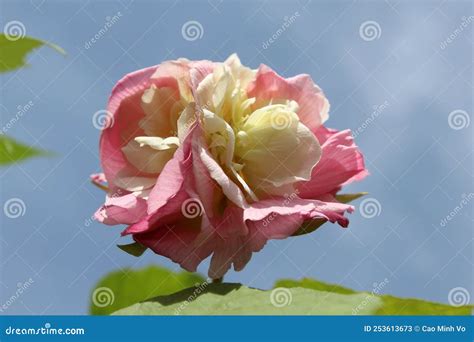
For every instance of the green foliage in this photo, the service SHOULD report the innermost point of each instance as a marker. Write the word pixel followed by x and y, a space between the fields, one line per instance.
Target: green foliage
pixel 12 56
pixel 12 151
pixel 346 198
pixel 134 248
pixel 391 305
pixel 310 226
pixel 14 51
pixel 128 286
pixel 158 291
pixel 236 299
pixel 308 283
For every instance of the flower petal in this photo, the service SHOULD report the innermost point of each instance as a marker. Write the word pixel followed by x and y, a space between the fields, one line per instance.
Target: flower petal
pixel 276 149
pixel 271 87
pixel 126 209
pixel 341 163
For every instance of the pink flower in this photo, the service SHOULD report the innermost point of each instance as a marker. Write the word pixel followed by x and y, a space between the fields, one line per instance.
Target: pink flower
pixel 214 159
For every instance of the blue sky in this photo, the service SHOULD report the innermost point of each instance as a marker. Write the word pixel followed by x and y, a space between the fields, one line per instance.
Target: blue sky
pixel 420 157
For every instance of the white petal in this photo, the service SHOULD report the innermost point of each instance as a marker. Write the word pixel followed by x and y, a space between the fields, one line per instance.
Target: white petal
pixel 135 184
pixel 276 149
pixel 158 143
pixel 162 107
pixel 147 159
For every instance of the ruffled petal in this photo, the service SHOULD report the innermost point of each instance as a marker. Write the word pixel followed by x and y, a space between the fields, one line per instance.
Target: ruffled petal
pixel 341 163
pixel 126 209
pixel 271 87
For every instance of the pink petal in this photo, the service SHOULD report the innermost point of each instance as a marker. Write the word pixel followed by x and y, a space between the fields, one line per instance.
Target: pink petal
pixel 99 180
pixel 126 209
pixel 313 105
pixel 213 169
pixel 288 215
pixel 179 242
pixel 169 193
pixel 124 106
pixel 340 164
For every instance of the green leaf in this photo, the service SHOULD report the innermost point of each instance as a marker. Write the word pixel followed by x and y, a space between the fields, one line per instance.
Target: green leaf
pixel 12 151
pixel 135 249
pixel 123 288
pixel 310 226
pixel 14 51
pixel 391 305
pixel 346 198
pixel 314 285
pixel 236 299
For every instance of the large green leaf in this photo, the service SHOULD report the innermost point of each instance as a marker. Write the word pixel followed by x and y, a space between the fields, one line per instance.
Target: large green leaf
pixel 15 50
pixel 12 151
pixel 310 226
pixel 236 299
pixel 125 287
pixel 391 305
